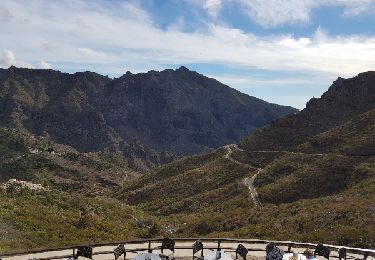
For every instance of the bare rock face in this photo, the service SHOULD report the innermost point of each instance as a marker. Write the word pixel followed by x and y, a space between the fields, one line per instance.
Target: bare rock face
pixel 147 116
pixel 344 100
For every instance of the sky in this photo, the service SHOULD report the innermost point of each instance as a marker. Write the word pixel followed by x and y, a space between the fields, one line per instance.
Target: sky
pixel 282 51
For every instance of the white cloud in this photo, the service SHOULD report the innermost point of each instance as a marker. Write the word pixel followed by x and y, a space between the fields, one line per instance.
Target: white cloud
pixel 357 10
pixel 45 65
pixel 274 13
pixel 8 59
pixel 124 37
pixel 92 53
pixel 213 7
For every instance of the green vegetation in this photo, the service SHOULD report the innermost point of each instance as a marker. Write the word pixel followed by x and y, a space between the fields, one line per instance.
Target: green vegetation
pixel 356 137
pixel 305 197
pixel 295 176
pixel 78 206
pixel 213 182
pixel 37 220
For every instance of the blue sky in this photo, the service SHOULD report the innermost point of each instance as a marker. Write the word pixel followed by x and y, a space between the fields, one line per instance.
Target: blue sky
pixel 283 51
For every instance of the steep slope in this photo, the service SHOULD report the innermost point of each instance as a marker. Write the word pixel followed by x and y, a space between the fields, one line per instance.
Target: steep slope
pixel 59 106
pixel 344 100
pixel 329 163
pixel 356 137
pixel 141 115
pixel 183 111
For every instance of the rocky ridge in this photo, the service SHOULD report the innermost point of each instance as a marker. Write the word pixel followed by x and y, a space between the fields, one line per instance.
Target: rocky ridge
pixel 147 116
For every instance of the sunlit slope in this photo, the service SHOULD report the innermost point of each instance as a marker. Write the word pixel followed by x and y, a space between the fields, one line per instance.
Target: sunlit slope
pixel 195 184
pixel 41 220
pixel 292 177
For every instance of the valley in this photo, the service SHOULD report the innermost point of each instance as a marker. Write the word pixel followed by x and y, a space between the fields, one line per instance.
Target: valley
pixel 303 177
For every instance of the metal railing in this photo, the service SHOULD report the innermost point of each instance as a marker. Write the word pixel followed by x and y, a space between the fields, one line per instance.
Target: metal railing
pixel 228 244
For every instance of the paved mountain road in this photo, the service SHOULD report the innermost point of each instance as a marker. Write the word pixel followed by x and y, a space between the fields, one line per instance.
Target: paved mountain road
pixel 248 181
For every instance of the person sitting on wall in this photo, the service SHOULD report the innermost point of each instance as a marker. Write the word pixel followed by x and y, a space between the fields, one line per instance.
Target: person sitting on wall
pixel 309 254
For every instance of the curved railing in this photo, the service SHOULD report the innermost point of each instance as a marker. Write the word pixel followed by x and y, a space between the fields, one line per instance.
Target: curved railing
pixel 183 247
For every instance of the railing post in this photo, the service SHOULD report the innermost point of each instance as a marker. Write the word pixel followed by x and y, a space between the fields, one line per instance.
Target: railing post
pixel 149 247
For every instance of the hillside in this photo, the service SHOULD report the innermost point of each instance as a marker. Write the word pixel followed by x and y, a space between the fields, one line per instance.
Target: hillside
pixel 147 116
pixel 303 197
pixel 196 184
pixel 319 190
pixel 59 167
pixel 41 220
pixel 75 204
pixel 344 100
pixel 355 137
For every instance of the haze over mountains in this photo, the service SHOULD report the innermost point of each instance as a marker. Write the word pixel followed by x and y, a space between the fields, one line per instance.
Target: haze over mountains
pixel 146 116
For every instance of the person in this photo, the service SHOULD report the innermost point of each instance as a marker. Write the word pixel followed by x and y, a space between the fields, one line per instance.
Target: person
pixel 309 254
pixel 218 253
pixel 273 252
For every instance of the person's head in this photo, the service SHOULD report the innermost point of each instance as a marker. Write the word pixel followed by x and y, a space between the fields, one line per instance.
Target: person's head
pixel 308 253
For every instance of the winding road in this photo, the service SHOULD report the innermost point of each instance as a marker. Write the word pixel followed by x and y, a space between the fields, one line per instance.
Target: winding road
pixel 248 181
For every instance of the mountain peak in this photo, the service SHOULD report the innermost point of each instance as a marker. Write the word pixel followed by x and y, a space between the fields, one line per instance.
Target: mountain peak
pixel 183 68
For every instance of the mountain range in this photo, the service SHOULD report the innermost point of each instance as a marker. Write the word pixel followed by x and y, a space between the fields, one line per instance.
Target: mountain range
pixel 307 176
pixel 149 117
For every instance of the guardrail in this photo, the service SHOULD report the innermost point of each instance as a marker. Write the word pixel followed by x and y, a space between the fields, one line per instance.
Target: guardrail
pixel 228 244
